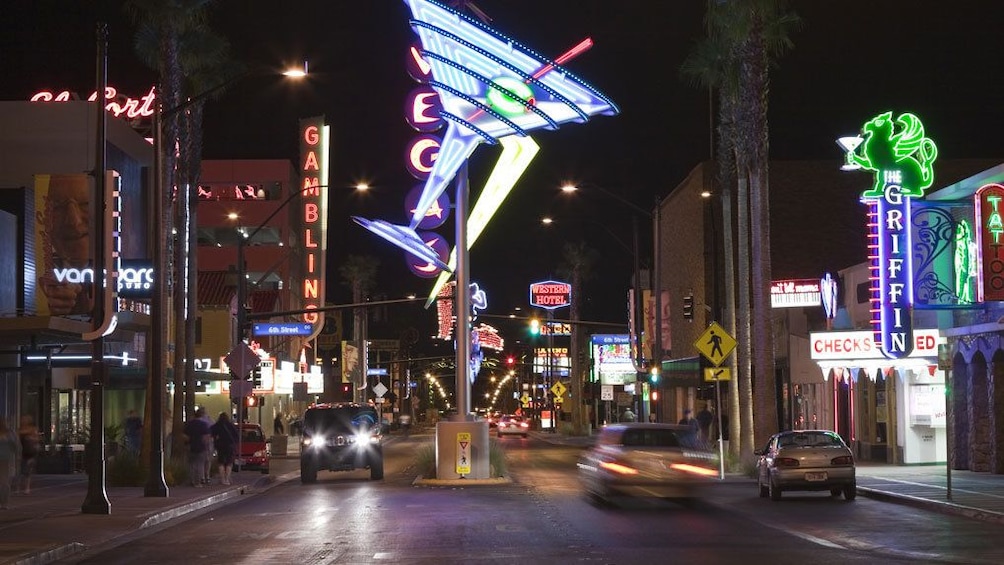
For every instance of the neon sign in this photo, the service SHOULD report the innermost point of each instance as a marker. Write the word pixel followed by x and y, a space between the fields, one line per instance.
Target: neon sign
pixel 468 61
pixel 965 262
pixel 131 107
pixel 902 160
pixel 550 294
pixel 990 260
pixel 314 209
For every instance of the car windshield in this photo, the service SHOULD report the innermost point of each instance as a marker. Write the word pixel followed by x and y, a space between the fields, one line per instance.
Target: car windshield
pixel 253 435
pixel 655 437
pixel 340 419
pixel 811 439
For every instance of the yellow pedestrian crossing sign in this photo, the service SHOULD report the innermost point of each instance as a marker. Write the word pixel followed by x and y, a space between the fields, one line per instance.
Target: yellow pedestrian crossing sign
pixel 559 390
pixel 525 400
pixel 715 344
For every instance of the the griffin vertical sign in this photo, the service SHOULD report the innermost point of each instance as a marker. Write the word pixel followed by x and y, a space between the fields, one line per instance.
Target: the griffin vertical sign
pixel 990 236
pixel 550 294
pixel 902 160
pixel 314 198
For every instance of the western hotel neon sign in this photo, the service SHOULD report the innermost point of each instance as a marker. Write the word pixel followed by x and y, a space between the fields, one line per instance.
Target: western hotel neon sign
pixel 902 159
pixel 314 210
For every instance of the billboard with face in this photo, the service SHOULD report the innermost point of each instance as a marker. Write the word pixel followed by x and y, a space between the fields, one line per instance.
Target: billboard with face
pixel 64 254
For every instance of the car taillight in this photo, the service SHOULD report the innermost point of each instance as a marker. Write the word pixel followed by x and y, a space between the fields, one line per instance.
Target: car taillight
pixel 786 462
pixel 842 460
pixel 694 469
pixel 615 467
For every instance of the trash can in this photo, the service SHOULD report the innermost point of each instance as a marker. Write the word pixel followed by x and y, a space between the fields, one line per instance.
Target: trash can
pixel 280 444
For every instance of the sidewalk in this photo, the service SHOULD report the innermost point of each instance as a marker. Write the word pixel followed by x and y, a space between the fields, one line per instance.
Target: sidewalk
pixel 974 495
pixel 48 525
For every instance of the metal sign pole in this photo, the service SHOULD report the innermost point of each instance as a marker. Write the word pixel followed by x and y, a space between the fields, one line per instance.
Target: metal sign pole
pixel 721 441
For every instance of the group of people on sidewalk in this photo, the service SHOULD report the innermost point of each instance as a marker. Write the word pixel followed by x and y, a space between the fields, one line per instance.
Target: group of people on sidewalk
pixel 18 455
pixel 204 436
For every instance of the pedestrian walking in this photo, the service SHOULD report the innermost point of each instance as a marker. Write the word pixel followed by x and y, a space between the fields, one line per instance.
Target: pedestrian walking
pixel 197 436
pixel 133 428
pixel 207 466
pixel 27 434
pixel 224 434
pixel 628 416
pixel 704 419
pixel 405 421
pixel 277 427
pixel 8 457
pixel 689 421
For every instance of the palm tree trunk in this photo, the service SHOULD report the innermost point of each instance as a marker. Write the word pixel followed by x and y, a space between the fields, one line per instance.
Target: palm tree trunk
pixel 744 350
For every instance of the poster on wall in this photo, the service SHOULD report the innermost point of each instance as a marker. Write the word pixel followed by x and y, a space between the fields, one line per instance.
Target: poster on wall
pixel 64 254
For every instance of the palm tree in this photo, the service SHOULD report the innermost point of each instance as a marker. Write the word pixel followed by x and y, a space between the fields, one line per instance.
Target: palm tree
pixel 577 267
pixel 359 273
pixel 160 24
pixel 743 37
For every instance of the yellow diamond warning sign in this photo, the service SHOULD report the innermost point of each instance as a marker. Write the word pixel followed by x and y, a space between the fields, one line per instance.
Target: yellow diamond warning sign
pixel 715 344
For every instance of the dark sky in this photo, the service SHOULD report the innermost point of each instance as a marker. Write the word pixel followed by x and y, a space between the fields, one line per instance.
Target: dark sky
pixel 851 60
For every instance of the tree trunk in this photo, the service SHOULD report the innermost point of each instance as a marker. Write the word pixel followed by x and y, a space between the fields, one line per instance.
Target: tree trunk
pixel 744 350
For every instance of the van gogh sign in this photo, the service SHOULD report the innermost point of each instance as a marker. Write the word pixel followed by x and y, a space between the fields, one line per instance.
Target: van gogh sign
pixel 901 158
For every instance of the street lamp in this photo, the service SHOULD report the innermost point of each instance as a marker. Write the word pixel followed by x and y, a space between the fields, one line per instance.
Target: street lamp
pixel 652 216
pixel 156 486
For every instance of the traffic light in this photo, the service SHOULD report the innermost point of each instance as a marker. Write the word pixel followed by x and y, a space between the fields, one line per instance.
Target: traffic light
pixel 688 307
pixel 252 401
pixel 510 361
pixel 346 392
pixel 653 376
pixel 534 326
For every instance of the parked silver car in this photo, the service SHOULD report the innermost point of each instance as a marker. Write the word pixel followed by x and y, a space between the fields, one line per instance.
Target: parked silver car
pixel 811 460
pixel 644 459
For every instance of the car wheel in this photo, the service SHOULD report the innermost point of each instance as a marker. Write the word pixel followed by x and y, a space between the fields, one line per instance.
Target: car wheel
pixel 775 490
pixel 376 468
pixel 836 491
pixel 308 473
pixel 764 491
pixel 850 492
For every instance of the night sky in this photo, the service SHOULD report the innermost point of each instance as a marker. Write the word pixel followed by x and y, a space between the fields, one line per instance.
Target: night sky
pixel 851 60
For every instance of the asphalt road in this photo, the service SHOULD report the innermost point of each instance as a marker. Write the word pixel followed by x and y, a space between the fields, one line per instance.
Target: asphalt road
pixel 542 517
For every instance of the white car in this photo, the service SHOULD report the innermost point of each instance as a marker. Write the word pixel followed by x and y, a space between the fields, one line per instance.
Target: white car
pixel 512 425
pixel 647 460
pixel 806 460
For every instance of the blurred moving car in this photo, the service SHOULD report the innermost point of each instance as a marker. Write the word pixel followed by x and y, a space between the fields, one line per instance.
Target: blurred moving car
pixel 647 459
pixel 340 437
pixel 808 460
pixel 512 425
pixel 254 451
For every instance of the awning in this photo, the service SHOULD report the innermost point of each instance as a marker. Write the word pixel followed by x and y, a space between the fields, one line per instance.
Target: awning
pixel 685 371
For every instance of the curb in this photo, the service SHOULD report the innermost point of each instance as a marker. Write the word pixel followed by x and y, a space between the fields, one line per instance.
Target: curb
pixel 932 505
pixel 423 482
pixel 64 551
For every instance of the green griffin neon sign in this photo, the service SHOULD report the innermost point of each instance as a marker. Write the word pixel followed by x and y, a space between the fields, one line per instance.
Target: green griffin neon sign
pixel 898 152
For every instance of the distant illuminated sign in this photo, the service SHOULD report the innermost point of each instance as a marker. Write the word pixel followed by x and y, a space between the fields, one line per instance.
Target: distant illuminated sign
pixel 550 294
pixel 795 293
pixel 612 359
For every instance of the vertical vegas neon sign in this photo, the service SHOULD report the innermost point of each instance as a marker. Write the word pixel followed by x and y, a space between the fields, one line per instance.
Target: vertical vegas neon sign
pixel 314 214
pixel 990 242
pixel 902 158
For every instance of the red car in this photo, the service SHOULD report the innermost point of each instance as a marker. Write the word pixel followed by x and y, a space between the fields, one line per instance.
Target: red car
pixel 254 451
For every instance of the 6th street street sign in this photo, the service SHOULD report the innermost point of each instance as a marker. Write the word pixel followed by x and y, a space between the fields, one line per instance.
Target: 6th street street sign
pixel 715 344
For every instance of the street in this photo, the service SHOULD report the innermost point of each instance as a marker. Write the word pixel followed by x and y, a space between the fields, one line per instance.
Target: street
pixel 543 517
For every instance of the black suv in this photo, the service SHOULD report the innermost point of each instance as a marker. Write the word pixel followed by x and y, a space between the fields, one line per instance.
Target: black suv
pixel 340 437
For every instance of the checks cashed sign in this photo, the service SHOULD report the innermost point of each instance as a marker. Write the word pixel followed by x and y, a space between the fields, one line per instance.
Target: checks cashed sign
pixel 861 345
